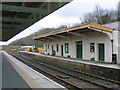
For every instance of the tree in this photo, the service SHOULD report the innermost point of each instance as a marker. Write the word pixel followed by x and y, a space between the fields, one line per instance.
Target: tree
pixel 118 9
pixel 100 16
pixel 28 41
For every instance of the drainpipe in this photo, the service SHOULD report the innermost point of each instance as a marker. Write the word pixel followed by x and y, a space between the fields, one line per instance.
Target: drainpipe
pixel 112 45
pixel 114 57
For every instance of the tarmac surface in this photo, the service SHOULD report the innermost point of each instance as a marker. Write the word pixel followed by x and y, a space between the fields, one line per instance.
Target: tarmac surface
pixel 0 70
pixel 16 74
pixel 10 78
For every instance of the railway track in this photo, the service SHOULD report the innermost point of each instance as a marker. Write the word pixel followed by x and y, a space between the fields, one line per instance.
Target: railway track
pixel 66 75
pixel 53 77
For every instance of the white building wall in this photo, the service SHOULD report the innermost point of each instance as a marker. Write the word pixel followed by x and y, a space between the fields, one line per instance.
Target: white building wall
pixel 115 42
pixel 116 49
pixel 95 37
pixel 74 39
pixel 119 47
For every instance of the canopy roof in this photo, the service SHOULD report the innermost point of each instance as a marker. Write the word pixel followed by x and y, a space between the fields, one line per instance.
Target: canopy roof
pixel 17 16
pixel 75 28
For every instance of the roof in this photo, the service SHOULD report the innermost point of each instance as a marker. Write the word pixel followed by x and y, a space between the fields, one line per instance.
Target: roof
pixel 79 27
pixel 114 25
pixel 17 16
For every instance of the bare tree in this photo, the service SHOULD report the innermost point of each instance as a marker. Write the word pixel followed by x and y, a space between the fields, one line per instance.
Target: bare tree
pixel 100 16
pixel 118 10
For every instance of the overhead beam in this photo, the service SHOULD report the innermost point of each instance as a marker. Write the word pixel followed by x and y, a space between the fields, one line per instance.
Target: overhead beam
pixel 77 34
pixel 9 19
pixel 106 32
pixel 51 38
pixel 23 9
pixel 62 37
pixel 9 26
pixel 9 30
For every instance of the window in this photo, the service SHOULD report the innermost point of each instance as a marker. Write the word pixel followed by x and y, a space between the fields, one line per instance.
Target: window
pixel 92 47
pixel 52 47
pixel 66 47
pixel 57 47
pixel 48 46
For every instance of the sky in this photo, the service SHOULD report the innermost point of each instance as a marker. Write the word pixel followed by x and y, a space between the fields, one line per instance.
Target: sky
pixel 67 15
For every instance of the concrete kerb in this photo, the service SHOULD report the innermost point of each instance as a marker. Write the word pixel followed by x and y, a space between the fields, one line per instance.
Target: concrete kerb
pixel 29 75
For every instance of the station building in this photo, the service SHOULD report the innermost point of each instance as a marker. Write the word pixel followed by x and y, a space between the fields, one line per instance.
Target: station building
pixel 88 41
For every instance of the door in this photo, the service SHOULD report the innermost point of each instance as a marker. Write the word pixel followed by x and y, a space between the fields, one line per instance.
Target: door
pixel 101 51
pixel 61 50
pixel 52 48
pixel 79 49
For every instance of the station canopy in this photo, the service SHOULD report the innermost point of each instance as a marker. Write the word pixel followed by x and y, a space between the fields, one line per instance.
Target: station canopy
pixel 75 30
pixel 17 16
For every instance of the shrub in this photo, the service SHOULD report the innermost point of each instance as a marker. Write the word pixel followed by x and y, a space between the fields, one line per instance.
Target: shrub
pixel 53 53
pixel 48 54
pixel 92 59
pixel 35 49
pixel 30 50
pixel 68 56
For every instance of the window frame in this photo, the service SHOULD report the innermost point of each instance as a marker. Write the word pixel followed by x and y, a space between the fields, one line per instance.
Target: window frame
pixel 46 48
pixel 66 47
pixel 57 47
pixel 92 47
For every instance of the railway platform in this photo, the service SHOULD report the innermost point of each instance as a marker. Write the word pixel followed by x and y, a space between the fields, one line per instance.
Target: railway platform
pixel 10 78
pixel 15 74
pixel 106 65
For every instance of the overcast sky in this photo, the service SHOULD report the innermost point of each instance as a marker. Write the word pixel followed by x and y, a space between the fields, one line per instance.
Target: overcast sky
pixel 68 14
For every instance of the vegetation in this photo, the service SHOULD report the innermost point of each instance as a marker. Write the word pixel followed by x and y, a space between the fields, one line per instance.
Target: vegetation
pixel 77 67
pixel 53 52
pixel 30 50
pixel 48 54
pixel 68 56
pixel 28 41
pixel 35 49
pixel 101 16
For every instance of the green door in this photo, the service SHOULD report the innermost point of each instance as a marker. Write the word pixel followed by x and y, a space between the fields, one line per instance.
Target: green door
pixel 101 51
pixel 52 49
pixel 61 50
pixel 79 49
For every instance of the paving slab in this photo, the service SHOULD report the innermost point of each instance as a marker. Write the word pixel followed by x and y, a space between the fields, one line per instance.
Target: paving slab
pixel 10 77
pixel 33 78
